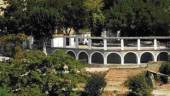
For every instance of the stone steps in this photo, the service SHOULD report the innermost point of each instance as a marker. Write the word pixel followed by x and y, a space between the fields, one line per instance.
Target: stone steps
pixel 116 77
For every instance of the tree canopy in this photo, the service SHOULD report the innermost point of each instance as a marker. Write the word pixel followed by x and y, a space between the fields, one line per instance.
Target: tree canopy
pixel 38 75
pixel 42 17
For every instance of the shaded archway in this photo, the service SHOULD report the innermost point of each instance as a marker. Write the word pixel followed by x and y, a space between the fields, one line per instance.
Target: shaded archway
pixel 146 57
pixel 113 58
pixel 130 58
pixel 163 56
pixel 83 57
pixel 97 58
pixel 71 53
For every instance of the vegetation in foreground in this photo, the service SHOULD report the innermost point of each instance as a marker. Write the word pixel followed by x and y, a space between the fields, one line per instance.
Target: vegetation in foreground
pixel 142 84
pixel 165 69
pixel 34 74
pixel 139 85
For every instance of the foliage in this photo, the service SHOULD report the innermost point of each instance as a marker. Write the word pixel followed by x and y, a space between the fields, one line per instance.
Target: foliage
pixel 33 90
pixel 139 85
pixel 3 25
pixel 59 59
pixel 13 38
pixel 42 22
pixel 34 56
pixel 11 43
pixel 42 17
pixel 139 17
pixel 73 16
pixel 165 69
pixel 95 18
pixel 4 92
pixel 37 75
pixel 95 85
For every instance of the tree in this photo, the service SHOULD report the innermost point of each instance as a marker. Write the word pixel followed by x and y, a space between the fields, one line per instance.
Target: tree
pixel 165 69
pixel 139 85
pixel 41 18
pixel 42 24
pixel 95 17
pixel 38 75
pixel 73 17
pixel 11 42
pixel 95 85
pixel 3 25
pixel 4 92
pixel 139 18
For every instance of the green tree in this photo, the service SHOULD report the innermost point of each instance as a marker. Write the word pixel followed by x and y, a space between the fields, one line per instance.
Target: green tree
pixel 4 92
pixel 139 85
pixel 40 18
pixel 139 18
pixel 95 18
pixel 73 16
pixel 165 69
pixel 38 75
pixel 95 85
pixel 42 24
pixel 11 42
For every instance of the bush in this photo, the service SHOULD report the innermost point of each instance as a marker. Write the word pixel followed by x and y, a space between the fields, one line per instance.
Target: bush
pixel 34 56
pixel 95 84
pixel 36 75
pixel 139 85
pixel 4 92
pixel 165 69
pixel 59 59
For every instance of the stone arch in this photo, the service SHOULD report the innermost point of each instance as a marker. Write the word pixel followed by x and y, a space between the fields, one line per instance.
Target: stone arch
pixel 83 57
pixel 113 58
pixel 97 58
pixel 162 56
pixel 130 57
pixel 146 57
pixel 71 53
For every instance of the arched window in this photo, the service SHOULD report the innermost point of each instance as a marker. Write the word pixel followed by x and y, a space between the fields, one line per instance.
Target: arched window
pixel 97 58
pixel 113 58
pixel 146 57
pixel 72 54
pixel 130 58
pixel 83 57
pixel 163 56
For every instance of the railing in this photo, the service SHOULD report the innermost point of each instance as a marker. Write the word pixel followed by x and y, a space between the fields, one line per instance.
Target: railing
pixel 112 43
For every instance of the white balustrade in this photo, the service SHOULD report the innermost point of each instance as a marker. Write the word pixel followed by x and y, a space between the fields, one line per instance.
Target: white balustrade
pixel 122 44
pixel 89 43
pixel 105 44
pixel 138 43
pixel 74 42
pixel 155 44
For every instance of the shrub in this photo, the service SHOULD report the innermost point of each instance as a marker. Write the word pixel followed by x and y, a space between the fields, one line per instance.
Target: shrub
pixel 4 92
pixel 165 69
pixel 95 84
pixel 59 59
pixel 139 85
pixel 35 76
